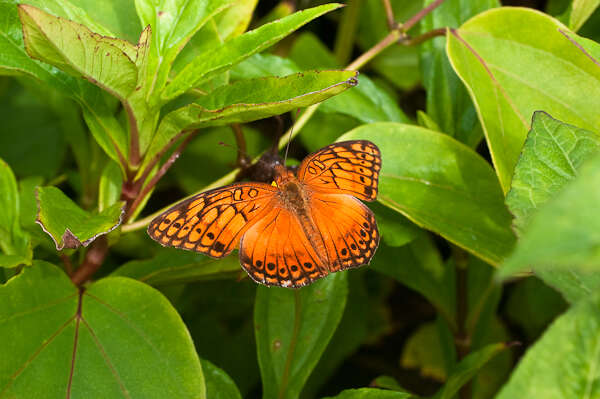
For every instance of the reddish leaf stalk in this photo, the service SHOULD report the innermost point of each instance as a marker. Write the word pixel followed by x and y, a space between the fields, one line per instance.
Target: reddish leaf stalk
pixel 420 15
pixel 94 258
pixel 389 12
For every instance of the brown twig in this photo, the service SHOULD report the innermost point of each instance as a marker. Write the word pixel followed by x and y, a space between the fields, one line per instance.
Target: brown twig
pixel 243 160
pixel 420 15
pixel 413 41
pixel 389 13
pixel 159 174
pixel 94 258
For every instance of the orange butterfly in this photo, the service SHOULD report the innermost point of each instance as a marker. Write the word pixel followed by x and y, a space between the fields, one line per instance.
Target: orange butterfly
pixel 293 232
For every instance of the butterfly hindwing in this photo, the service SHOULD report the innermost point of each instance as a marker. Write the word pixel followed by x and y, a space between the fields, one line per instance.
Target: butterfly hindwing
pixel 212 222
pixel 350 233
pixel 350 167
pixel 276 251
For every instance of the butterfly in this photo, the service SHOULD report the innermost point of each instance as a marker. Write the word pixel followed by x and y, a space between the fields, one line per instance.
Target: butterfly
pixel 294 231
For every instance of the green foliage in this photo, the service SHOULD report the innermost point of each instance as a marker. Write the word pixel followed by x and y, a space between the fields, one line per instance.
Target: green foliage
pixel 486 118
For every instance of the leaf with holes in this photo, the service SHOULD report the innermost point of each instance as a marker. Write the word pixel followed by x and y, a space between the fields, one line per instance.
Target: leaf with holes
pixel 68 224
pixel 100 342
pixel 292 329
pixel 497 55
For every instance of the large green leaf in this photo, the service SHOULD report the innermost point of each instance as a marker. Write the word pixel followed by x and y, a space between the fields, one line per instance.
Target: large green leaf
pixel 292 329
pixel 14 242
pixel 551 157
pixel 249 100
pixel 68 224
pixel 240 48
pixel 174 266
pixel 448 102
pixel 107 62
pixel 118 338
pixel 498 55
pixel 119 17
pixel 218 384
pixel 564 362
pixel 565 232
pixel 442 185
pixel 173 23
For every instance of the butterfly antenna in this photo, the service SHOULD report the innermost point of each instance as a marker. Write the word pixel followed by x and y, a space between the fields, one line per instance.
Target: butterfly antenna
pixel 287 147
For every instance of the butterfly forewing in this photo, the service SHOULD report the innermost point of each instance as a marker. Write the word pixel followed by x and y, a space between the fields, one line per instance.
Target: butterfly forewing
pixel 350 167
pixel 212 222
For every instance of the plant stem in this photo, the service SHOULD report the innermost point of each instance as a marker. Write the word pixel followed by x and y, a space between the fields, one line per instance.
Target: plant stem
pixel 94 258
pixel 67 262
pixel 420 15
pixel 389 13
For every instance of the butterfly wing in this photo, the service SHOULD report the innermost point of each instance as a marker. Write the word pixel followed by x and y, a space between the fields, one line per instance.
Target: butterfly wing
pixel 348 229
pixel 276 251
pixel 213 221
pixel 350 167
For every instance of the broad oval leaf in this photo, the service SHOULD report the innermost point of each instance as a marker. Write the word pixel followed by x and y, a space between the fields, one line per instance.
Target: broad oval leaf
pixel 249 100
pixel 218 384
pixel 240 48
pixel 292 329
pixel 117 338
pixel 14 242
pixel 75 49
pixel 563 363
pixel 68 225
pixel 441 185
pixel 552 155
pixel 174 266
pixel 499 54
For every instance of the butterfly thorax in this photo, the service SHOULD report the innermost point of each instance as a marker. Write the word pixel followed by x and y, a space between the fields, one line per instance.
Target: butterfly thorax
pixel 293 195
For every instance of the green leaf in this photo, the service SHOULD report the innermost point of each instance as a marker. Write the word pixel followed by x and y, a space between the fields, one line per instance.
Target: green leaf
pixel 448 102
pixel 240 48
pixel 111 182
pixel 174 266
pixel 235 20
pixel 119 17
pixel 423 351
pixel 467 369
pixel 249 100
pixel 367 102
pixel 563 363
pixel 371 393
pixel 419 266
pixel 173 25
pixel 441 185
pixel 14 242
pixel 573 284
pixel 68 224
pixel 551 157
pixel 218 384
pixel 581 10
pixel 497 55
pixel 116 338
pixel 395 229
pixel 565 232
pixel 292 329
pixel 104 61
